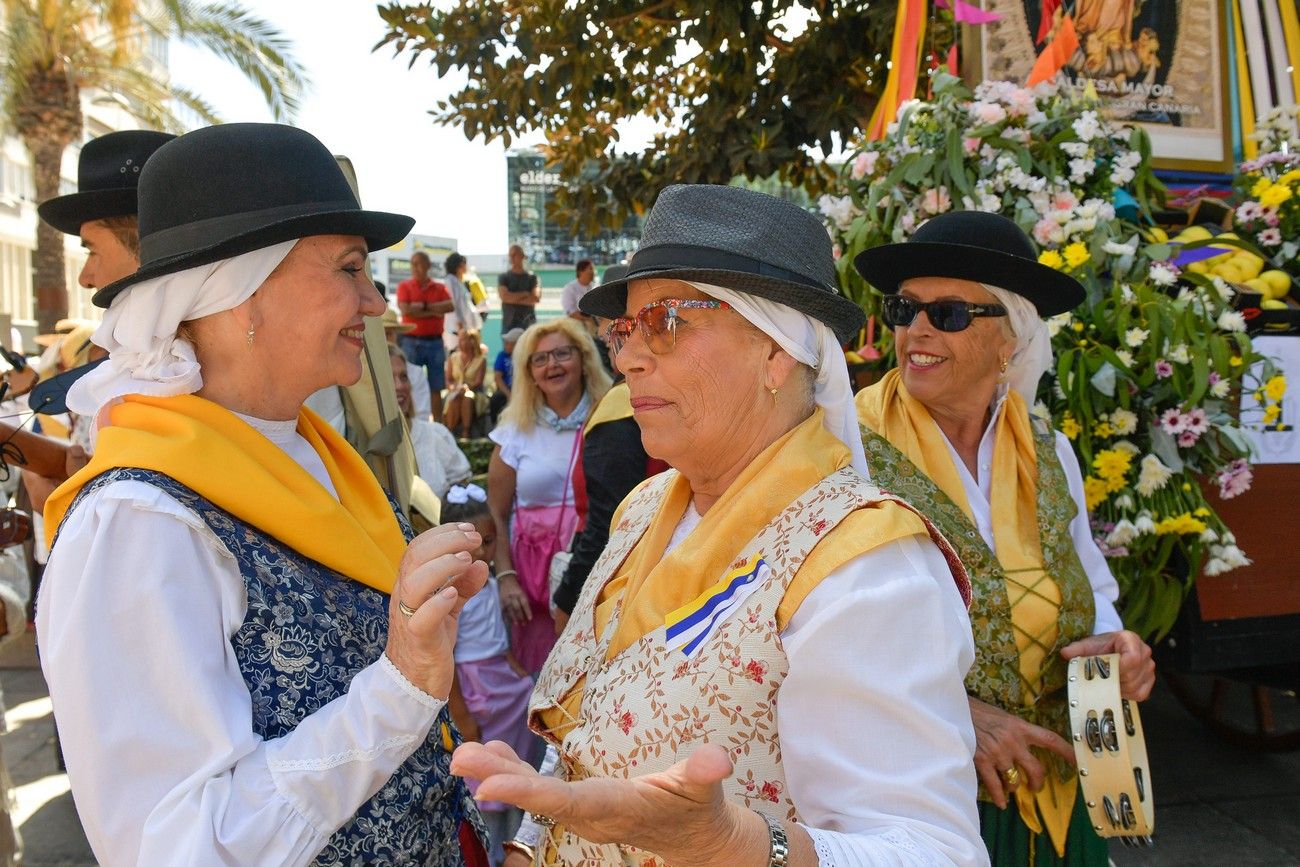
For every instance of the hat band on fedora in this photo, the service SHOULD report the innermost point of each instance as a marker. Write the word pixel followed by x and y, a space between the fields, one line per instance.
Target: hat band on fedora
pixel 201 234
pixel 690 257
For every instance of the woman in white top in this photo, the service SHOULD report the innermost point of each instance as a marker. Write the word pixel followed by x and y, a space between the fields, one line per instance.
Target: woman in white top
pixel 232 682
pixel 558 378
pixel 765 665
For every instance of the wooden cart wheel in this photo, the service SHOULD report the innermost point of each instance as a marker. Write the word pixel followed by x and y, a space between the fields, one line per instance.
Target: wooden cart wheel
pixel 1246 714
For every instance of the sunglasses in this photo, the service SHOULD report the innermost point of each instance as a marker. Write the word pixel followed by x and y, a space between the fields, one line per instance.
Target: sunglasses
pixel 657 322
pixel 560 354
pixel 898 311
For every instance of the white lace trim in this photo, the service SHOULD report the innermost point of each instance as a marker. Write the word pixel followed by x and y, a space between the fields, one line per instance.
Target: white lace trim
pixel 835 849
pixel 825 855
pixel 325 763
pixel 387 666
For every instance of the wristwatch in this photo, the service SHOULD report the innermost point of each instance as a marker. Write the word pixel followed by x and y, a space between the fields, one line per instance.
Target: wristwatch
pixel 780 856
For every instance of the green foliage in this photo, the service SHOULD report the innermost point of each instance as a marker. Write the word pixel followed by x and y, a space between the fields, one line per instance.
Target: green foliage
pixel 740 92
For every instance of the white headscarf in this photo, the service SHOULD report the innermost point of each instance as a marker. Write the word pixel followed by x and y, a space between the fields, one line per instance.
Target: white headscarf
pixel 139 329
pixel 1033 353
pixel 809 342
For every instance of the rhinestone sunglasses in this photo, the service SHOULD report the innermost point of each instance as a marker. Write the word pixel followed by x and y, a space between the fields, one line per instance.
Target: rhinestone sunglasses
pixel 657 322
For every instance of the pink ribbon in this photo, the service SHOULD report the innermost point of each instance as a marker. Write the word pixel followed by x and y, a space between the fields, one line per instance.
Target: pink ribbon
pixel 965 13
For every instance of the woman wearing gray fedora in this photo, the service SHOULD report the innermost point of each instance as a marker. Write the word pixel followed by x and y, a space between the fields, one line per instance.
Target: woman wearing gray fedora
pixel 249 663
pixel 739 682
pixel 951 431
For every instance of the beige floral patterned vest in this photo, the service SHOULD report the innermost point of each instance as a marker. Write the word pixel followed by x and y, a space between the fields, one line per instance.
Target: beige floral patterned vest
pixel 651 705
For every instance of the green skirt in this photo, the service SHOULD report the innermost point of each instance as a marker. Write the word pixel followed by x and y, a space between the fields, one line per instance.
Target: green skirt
pixel 1012 844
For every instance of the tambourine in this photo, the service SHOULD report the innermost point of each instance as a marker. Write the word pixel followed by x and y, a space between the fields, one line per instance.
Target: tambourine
pixel 1111 752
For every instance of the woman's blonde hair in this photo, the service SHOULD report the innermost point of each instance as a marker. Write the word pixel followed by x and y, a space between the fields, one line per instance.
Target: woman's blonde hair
pixel 526 399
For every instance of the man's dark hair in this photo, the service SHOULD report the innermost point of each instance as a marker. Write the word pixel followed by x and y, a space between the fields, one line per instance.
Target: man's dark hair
pixel 126 229
pixel 454 261
pixel 383 290
pixel 583 265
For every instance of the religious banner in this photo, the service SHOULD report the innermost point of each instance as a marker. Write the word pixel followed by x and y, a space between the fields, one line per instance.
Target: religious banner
pixel 1158 63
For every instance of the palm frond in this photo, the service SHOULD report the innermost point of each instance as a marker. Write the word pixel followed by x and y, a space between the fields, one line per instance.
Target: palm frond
pixel 251 44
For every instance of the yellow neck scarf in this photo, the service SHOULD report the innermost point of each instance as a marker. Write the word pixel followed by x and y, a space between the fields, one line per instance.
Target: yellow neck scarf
pixel 213 452
pixel 888 409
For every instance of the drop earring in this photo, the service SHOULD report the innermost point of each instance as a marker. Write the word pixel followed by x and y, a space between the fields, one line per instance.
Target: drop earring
pixel 773 391
pixel 249 335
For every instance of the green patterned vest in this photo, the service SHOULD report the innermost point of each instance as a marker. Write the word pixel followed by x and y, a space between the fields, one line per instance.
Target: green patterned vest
pixel 995 676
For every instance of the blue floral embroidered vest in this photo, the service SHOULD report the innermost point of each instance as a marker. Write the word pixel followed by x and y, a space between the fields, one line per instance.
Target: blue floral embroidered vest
pixel 307 633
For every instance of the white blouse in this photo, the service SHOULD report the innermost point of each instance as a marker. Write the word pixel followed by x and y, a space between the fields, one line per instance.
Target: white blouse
pixel 543 460
pixel 135 614
pixel 438 458
pixel 875 728
pixel 1105 590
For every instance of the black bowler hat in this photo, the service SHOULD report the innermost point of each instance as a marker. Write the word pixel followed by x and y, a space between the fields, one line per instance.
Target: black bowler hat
pixel 107 173
pixel 977 246
pixel 738 239
pixel 222 191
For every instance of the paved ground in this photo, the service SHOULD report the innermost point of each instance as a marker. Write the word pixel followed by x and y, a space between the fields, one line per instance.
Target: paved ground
pixel 1216 804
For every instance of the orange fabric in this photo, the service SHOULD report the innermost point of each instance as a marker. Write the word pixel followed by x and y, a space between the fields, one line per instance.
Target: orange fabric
pixel 1057 53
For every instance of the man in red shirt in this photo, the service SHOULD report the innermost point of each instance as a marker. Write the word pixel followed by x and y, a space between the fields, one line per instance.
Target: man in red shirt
pixel 423 304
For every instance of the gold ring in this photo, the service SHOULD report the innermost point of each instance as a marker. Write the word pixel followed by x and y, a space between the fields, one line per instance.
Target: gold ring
pixel 1012 776
pixel 406 609
pixel 544 821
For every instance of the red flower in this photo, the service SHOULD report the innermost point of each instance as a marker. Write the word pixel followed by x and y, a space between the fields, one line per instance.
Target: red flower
pixel 756 670
pixel 771 792
pixel 820 527
pixel 626 721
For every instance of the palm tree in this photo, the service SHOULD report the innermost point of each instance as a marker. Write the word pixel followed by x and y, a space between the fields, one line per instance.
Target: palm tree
pixel 53 50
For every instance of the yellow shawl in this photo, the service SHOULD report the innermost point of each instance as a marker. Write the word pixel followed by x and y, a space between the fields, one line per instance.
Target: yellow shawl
pixel 888 409
pixel 212 451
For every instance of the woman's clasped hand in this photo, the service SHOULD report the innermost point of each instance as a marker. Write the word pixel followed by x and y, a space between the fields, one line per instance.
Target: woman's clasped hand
pixel 436 578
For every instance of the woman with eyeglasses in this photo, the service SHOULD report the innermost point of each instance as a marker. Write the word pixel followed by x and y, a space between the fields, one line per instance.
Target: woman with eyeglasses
pixel 951 431
pixel 765 665
pixel 558 379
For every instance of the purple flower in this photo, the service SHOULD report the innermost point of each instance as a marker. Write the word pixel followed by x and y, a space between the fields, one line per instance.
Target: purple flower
pixel 1173 421
pixel 1164 369
pixel 1234 479
pixel 1187 439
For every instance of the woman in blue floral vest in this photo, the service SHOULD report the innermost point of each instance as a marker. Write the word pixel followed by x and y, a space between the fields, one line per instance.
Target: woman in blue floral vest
pixel 248 662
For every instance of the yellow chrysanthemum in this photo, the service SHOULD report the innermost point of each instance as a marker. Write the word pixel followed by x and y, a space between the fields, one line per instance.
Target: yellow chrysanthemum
pixel 1275 388
pixel 1094 492
pixel 1077 253
pixel 1103 430
pixel 1112 463
pixel 1260 186
pixel 1271 413
pixel 1275 195
pixel 1290 177
pixel 1183 524
pixel 1051 259
pixel 1070 427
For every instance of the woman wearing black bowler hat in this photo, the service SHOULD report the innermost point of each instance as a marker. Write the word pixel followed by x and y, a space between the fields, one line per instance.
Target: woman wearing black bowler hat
pixel 950 430
pixel 249 659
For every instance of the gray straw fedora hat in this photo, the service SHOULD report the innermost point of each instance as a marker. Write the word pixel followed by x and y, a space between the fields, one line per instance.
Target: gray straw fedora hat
pixel 225 190
pixel 738 239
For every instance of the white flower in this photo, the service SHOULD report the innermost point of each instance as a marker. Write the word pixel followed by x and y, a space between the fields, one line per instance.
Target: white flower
pixel 1125 446
pixel 1179 354
pixel 1125 356
pixel 1223 288
pixel 1209 536
pixel 1152 476
pixel 1215 566
pixel 1144 525
pixel 1080 169
pixel 1087 127
pixel 1115 248
pixel 1035 118
pixel 840 209
pixel 1075 149
pixel 1123 533
pixel 1221 388
pixel 1232 320
pixel 1135 337
pixel 1234 556
pixel 1124 421
pixel 1040 411
pixel 987 112
pixel 1057 322
pixel 1124 502
pixel 1162 275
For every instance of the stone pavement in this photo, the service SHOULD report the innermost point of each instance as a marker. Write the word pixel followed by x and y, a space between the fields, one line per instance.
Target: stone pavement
pixel 1215 804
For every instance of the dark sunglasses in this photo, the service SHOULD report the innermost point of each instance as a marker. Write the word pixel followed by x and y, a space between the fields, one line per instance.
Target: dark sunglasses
pixel 898 311
pixel 657 322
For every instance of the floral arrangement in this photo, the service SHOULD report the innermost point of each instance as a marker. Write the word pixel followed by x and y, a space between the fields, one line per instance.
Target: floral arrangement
pixel 1149 369
pixel 1268 215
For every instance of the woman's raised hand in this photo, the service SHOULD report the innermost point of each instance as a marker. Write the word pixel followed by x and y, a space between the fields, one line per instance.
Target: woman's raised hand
pixel 436 578
pixel 679 814
pixel 1137 670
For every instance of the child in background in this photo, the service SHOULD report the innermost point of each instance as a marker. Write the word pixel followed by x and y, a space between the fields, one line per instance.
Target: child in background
pixel 494 685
